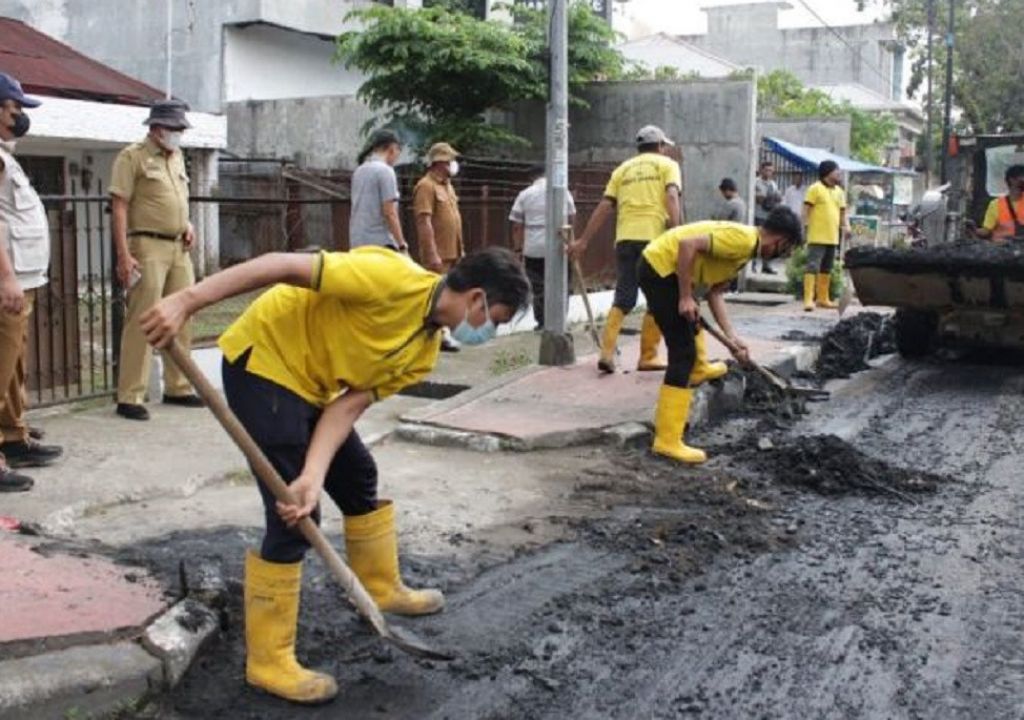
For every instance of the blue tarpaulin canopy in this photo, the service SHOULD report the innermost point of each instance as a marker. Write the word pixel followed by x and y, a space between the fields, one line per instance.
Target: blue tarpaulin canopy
pixel 810 157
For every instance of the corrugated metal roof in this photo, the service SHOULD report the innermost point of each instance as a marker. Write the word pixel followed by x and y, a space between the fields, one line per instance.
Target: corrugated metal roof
pixel 45 66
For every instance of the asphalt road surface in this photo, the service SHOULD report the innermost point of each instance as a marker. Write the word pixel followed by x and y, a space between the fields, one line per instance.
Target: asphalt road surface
pixel 743 589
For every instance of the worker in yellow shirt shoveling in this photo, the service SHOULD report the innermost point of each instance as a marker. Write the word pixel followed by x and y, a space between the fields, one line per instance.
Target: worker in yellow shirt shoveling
pixel 336 332
pixel 674 268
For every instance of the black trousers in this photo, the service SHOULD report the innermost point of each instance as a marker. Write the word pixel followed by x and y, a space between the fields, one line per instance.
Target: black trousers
pixel 282 423
pixel 663 303
pixel 627 255
pixel 535 273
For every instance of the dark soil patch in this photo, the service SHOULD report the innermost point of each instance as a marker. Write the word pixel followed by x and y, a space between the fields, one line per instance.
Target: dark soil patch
pixel 967 258
pixel 829 466
pixel 848 346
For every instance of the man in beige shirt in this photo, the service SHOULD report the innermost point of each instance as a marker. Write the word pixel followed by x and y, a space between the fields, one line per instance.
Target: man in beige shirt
pixel 153 235
pixel 438 221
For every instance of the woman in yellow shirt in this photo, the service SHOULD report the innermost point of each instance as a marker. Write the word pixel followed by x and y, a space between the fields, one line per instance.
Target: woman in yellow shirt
pixel 336 332
pixel 700 257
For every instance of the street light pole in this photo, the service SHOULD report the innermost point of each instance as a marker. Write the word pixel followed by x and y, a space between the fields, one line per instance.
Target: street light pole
pixel 556 347
pixel 929 145
pixel 947 124
pixel 169 48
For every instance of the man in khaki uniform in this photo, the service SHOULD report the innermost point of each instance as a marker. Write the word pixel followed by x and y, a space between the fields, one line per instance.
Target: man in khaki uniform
pixel 24 262
pixel 438 221
pixel 152 233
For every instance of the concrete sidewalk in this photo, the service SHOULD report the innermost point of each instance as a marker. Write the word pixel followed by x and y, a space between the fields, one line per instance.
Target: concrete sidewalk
pixel 543 407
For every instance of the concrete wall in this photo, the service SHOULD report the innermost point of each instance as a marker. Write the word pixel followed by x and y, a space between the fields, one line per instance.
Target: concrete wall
pixel 263 62
pixel 833 134
pixel 712 122
pixel 320 133
pixel 748 34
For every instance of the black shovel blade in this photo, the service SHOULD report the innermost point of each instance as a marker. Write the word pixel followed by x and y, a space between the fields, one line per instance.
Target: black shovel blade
pixel 408 641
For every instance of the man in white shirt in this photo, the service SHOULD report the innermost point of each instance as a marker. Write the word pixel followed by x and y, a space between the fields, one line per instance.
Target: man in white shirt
pixel 24 267
pixel 529 239
pixel 793 198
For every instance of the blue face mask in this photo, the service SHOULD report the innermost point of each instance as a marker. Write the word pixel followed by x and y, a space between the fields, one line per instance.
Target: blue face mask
pixel 469 335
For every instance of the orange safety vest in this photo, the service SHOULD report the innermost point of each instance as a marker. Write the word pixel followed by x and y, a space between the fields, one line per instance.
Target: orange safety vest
pixel 1011 218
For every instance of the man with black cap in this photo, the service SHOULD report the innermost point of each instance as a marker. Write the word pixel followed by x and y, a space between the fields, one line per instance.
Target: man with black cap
pixel 153 235
pixel 643 192
pixel 24 262
pixel 438 220
pixel 374 216
pixel 825 218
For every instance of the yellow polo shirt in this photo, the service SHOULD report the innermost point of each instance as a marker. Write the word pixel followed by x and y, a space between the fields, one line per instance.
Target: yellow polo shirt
pixel 730 246
pixel 361 327
pixel 823 219
pixel 638 188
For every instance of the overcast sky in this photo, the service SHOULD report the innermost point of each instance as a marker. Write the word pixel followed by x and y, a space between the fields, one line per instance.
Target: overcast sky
pixel 685 16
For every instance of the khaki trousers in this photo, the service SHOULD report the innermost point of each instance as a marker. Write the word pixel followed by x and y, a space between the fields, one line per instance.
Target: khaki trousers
pixel 13 392
pixel 166 268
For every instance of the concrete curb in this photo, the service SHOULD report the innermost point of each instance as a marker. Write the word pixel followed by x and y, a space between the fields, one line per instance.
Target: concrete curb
pixel 712 402
pixel 94 681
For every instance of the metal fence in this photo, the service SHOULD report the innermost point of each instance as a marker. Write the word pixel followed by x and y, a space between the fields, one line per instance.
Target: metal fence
pixel 71 349
pixel 75 331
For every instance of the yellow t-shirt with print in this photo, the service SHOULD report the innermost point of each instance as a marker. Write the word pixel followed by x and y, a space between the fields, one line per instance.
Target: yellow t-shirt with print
pixel 361 326
pixel 638 188
pixel 730 246
pixel 825 214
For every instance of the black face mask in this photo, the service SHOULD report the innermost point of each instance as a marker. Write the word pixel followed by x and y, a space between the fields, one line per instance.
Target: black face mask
pixel 21 125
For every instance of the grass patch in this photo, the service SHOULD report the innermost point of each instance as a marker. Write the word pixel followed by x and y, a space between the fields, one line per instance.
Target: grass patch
pixel 508 360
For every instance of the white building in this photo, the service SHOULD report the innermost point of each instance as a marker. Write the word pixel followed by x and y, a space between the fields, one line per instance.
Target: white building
pixel 662 50
pixel 90 112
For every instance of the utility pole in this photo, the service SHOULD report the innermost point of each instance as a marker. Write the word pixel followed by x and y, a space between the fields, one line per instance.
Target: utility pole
pixel 168 49
pixel 947 124
pixel 929 145
pixel 556 347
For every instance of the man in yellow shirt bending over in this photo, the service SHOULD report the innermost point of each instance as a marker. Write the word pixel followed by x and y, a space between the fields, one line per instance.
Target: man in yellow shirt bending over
pixel 335 333
pixel 643 192
pixel 675 268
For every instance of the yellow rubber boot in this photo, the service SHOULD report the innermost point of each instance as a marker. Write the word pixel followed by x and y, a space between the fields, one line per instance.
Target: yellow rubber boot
pixel 704 371
pixel 650 339
pixel 669 424
pixel 808 292
pixel 609 339
pixel 824 280
pixel 372 545
pixel 271 617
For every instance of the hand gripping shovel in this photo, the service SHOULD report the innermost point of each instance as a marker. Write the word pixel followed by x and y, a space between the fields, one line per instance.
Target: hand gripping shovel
pixel 357 594
pixel 774 379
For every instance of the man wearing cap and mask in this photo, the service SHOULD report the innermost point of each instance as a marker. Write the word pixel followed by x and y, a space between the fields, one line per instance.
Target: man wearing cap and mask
pixel 643 192
pixel 438 221
pixel 24 262
pixel 153 235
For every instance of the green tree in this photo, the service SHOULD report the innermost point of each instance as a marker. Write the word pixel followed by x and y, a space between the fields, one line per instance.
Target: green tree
pixel 988 60
pixel 438 70
pixel 781 94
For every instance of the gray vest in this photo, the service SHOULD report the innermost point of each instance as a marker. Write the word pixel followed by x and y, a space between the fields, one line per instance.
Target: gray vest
pixel 28 232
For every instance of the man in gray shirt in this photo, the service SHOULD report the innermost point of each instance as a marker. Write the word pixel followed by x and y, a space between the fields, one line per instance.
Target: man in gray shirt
pixel 766 197
pixel 374 216
pixel 732 208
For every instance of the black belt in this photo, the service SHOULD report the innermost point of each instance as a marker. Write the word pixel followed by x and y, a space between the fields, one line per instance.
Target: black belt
pixel 161 236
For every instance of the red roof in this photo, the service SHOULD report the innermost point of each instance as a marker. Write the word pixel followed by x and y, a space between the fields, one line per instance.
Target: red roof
pixel 45 66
